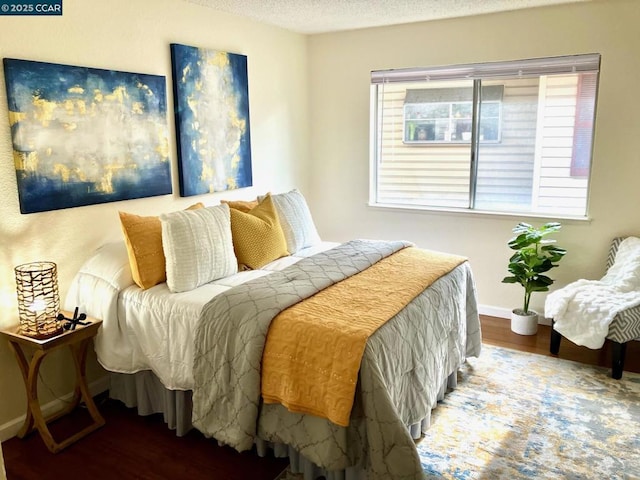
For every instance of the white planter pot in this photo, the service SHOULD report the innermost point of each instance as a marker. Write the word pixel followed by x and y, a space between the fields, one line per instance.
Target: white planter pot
pixel 524 324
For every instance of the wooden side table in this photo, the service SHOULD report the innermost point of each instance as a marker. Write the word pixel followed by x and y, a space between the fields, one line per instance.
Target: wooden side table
pixel 77 340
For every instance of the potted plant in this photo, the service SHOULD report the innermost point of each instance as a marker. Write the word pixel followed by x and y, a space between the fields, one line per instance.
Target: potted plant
pixel 534 256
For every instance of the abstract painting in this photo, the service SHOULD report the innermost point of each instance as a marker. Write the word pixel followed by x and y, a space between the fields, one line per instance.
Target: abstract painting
pixel 83 136
pixel 211 98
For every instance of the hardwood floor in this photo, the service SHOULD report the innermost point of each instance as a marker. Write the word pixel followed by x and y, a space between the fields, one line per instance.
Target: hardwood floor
pixel 497 331
pixel 134 447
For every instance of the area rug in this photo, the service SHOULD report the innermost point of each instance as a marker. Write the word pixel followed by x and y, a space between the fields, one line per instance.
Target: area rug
pixel 518 415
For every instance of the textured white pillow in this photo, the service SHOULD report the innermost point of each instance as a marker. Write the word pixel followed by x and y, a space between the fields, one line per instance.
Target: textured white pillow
pixel 295 220
pixel 198 247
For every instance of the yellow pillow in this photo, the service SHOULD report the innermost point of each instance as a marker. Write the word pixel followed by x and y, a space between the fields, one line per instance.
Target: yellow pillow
pixel 143 236
pixel 242 205
pixel 257 235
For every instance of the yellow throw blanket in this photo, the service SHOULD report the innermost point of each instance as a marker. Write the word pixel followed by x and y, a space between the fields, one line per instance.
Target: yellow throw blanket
pixel 314 348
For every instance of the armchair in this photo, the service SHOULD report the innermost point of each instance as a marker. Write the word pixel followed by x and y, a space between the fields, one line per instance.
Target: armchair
pixel 624 327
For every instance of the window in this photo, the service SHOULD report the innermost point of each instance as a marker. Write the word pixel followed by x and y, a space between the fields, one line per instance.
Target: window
pixel 512 137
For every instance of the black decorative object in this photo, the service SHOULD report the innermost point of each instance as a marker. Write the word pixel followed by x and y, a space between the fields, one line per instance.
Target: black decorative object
pixel 76 320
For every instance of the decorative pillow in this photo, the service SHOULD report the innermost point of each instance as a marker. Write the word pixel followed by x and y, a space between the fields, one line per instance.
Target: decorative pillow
pixel 257 235
pixel 143 237
pixel 242 205
pixel 295 218
pixel 198 247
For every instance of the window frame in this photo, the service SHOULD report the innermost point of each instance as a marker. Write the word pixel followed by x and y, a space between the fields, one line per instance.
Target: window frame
pixel 541 67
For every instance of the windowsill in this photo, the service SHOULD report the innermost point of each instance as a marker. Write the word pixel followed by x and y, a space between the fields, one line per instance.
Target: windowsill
pixel 476 213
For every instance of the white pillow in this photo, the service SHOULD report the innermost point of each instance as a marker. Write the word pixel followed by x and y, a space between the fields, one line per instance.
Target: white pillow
pixel 198 247
pixel 96 286
pixel 295 220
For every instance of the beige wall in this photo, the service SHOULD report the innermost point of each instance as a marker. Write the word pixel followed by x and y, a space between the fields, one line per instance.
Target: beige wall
pixel 340 66
pixel 134 36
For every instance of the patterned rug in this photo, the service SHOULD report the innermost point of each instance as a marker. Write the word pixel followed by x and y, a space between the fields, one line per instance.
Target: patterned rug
pixel 517 415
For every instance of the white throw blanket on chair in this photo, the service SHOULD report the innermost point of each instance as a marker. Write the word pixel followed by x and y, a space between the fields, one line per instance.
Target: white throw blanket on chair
pixel 584 309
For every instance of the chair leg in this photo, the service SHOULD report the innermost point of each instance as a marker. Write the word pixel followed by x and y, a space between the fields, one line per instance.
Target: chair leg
pixel 554 346
pixel 618 353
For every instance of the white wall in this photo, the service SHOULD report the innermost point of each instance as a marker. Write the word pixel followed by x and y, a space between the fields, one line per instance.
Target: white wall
pixel 134 36
pixel 340 66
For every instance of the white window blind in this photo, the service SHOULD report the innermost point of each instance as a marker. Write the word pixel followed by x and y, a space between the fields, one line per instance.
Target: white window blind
pixel 510 69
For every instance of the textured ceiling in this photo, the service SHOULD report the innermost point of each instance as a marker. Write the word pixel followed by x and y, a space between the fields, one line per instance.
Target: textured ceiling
pixel 318 16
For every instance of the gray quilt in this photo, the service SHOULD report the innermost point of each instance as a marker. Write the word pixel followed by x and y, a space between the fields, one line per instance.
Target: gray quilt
pixel 404 365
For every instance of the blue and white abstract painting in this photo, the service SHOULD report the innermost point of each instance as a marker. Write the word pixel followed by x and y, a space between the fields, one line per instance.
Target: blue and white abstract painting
pixel 83 136
pixel 211 98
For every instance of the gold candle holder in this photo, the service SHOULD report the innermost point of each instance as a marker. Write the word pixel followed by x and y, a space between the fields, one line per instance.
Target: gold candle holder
pixel 38 299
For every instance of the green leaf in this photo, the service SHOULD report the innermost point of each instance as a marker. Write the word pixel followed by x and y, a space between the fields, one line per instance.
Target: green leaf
pixel 550 228
pixel 537 288
pixel 543 280
pixel 534 255
pixel 522 228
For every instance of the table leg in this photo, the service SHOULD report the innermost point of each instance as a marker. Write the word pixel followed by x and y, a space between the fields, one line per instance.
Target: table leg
pixel 28 424
pixel 80 360
pixel 34 412
pixel 34 417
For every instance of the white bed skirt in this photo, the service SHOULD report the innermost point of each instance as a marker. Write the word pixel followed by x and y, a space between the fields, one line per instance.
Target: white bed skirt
pixel 144 391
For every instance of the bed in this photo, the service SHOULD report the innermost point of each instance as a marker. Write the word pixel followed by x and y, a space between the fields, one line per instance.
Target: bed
pixel 152 344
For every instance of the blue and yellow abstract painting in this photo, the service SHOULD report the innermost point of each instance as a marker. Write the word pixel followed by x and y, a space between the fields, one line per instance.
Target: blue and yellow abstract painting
pixel 211 98
pixel 83 136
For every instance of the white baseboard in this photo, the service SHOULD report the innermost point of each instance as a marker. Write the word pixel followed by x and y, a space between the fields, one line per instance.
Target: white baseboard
pixel 12 427
pixel 494 311
pixel 506 313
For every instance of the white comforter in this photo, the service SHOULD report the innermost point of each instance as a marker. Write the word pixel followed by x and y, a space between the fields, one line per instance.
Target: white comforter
pixel 584 309
pixel 150 329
